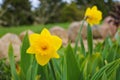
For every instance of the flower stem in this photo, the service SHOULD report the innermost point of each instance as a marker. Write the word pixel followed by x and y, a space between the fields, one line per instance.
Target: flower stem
pixel 89 39
pixel 79 35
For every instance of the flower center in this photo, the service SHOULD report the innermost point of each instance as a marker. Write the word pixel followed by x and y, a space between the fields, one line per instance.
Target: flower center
pixel 44 48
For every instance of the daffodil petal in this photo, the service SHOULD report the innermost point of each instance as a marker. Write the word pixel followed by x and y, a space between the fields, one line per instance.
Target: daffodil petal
pixel 94 8
pixel 45 33
pixel 57 42
pixel 99 13
pixel 30 50
pixel 87 12
pixel 42 59
pixel 33 38
pixel 56 55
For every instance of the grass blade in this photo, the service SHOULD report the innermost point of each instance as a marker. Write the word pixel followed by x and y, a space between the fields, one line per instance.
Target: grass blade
pixel 82 46
pixel 109 68
pixel 12 63
pixel 104 77
pixel 78 37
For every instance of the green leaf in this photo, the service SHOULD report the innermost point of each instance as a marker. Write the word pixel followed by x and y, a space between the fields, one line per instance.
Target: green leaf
pixel 104 77
pixel 118 74
pixel 12 63
pixel 106 49
pixel 73 71
pixel 52 67
pixel 78 37
pixel 117 36
pixel 112 53
pixel 26 59
pixel 109 68
pixel 64 67
pixel 91 64
pixel 41 72
pixel 60 65
pixel 46 72
pixel 28 73
pixel 34 69
pixel 89 39
pixel 57 68
pixel 82 46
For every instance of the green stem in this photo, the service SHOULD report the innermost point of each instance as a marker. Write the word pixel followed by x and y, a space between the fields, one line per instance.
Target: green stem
pixel 89 39
pixel 79 35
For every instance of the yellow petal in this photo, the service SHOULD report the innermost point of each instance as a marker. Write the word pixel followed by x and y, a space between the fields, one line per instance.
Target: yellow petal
pixel 56 55
pixel 30 50
pixel 87 12
pixel 94 8
pixel 56 42
pixel 45 33
pixel 99 15
pixel 33 38
pixel 42 59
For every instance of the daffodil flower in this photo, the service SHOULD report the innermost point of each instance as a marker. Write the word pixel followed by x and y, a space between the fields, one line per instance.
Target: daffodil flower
pixel 44 46
pixel 93 15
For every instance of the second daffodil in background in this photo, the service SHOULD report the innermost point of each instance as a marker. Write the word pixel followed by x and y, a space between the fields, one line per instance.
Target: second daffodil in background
pixel 44 46
pixel 93 15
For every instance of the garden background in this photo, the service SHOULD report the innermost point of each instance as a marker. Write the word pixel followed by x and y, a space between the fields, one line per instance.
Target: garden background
pixel 61 18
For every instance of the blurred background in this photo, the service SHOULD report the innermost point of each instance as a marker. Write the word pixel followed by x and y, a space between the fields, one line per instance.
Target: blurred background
pixel 33 12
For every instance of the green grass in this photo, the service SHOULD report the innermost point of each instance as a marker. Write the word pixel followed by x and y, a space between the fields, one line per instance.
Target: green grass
pixel 37 28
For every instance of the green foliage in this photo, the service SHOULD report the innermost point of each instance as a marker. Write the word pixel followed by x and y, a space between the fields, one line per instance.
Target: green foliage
pixel 77 39
pixel 48 11
pixel 5 73
pixel 19 12
pixel 73 71
pixel 109 68
pixel 104 57
pixel 26 59
pixel 117 37
pixel 28 66
pixel 91 64
pixel 16 12
pixel 104 77
pixel 12 63
pixel 99 63
pixel 71 13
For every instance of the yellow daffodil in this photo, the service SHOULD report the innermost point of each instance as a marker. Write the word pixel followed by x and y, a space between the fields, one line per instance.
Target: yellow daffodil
pixel 93 15
pixel 44 46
